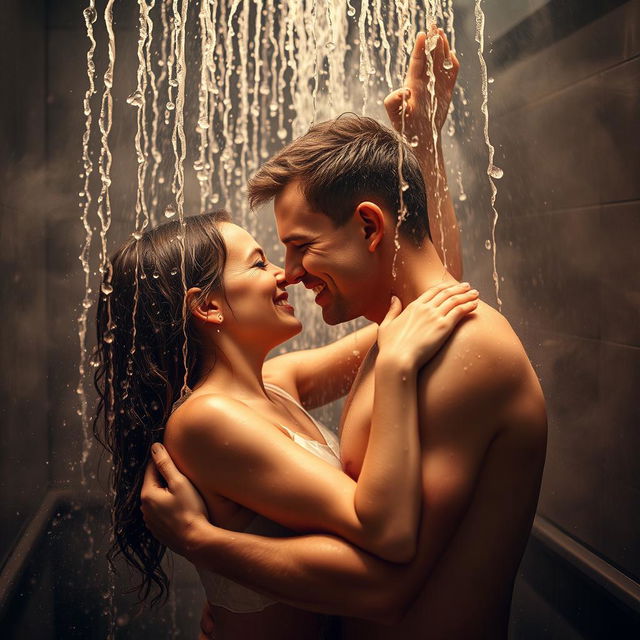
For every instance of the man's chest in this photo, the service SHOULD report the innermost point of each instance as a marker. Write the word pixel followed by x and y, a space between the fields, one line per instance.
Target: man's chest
pixel 356 418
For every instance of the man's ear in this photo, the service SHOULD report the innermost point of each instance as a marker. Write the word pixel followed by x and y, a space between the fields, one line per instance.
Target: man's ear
pixel 371 219
pixel 207 311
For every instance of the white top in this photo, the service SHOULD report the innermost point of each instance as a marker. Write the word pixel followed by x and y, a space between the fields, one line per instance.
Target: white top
pixel 221 591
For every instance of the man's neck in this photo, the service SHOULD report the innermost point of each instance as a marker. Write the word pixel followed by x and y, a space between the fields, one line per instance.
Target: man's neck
pixel 416 270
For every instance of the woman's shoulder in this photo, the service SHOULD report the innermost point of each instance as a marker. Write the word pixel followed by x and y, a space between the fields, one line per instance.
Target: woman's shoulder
pixel 207 414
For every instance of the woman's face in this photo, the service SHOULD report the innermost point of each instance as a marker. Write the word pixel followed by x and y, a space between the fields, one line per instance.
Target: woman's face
pixel 256 307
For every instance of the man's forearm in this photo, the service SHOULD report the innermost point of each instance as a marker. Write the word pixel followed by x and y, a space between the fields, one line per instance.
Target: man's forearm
pixel 445 231
pixel 316 572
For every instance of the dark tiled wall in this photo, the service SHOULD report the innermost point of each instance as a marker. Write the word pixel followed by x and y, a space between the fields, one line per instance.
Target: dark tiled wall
pixel 24 436
pixel 566 128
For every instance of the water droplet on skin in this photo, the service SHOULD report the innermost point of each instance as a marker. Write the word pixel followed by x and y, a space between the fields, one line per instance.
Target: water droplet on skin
pixel 106 288
pixel 447 63
pixel 414 141
pixel 170 211
pixel 495 172
pixel 487 245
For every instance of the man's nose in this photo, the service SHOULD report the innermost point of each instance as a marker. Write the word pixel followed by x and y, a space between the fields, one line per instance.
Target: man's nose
pixel 293 269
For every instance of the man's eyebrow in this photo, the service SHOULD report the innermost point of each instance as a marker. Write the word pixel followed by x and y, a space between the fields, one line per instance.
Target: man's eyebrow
pixel 293 237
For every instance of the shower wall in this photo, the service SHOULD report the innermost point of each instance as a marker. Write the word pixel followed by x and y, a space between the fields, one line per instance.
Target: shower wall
pixel 564 121
pixel 25 326
pixel 564 108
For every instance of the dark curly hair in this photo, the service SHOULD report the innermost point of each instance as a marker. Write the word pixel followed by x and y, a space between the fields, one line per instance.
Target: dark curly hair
pixel 146 351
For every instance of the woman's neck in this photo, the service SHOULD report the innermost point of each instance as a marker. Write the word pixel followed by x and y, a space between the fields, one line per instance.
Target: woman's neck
pixel 235 369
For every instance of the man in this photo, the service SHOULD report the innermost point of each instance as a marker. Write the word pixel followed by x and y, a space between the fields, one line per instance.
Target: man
pixel 482 417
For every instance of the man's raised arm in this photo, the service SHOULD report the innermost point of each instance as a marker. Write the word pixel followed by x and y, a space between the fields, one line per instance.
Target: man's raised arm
pixel 410 111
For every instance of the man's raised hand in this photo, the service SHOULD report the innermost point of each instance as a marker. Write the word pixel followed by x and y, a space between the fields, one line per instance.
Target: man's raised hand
pixel 417 98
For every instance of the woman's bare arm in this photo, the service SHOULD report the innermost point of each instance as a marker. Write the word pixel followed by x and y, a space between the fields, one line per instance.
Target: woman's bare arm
pixel 319 376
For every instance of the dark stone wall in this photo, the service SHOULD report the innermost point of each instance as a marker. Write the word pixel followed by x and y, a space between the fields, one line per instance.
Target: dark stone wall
pixel 24 329
pixel 564 120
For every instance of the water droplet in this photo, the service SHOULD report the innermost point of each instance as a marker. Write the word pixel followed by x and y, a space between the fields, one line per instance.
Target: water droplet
pixel 90 14
pixel 108 337
pixel 173 271
pixel 173 82
pixel 404 186
pixel 487 245
pixel 106 288
pixel 137 235
pixel 156 275
pixel 447 63
pixel 203 124
pixel 170 106
pixel 170 211
pixel 273 108
pixel 215 198
pixel 351 12
pixel 414 141
pixel 462 197
pixel 282 134
pixel 87 304
pixel 495 172
pixel 135 99
pixel 490 80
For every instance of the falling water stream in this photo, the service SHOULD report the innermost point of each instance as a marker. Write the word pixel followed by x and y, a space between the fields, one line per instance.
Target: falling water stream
pixel 222 84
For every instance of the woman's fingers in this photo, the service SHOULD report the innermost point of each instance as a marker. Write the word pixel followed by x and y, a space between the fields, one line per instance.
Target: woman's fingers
pixel 457 300
pixel 165 466
pixel 395 308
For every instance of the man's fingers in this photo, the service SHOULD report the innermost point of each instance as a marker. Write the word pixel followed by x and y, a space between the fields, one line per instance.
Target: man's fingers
pixel 393 104
pixel 164 464
pixel 418 61
pixel 206 622
pixel 445 43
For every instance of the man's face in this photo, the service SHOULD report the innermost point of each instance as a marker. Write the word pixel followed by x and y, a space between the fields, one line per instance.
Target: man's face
pixel 333 261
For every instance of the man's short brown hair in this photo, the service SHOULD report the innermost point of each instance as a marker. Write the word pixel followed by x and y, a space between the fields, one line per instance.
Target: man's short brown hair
pixel 343 162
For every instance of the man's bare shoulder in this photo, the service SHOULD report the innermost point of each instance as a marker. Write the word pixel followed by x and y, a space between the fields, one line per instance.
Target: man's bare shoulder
pixel 482 375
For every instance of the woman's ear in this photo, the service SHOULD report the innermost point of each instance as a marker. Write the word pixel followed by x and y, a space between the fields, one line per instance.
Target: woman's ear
pixel 371 219
pixel 206 311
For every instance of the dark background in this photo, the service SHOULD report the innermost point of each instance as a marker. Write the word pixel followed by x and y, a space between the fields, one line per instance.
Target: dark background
pixel 564 119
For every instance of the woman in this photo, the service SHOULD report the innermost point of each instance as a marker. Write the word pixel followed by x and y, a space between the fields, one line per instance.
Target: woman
pixel 239 430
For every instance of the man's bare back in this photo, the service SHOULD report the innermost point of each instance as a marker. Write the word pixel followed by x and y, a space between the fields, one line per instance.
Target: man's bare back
pixel 483 433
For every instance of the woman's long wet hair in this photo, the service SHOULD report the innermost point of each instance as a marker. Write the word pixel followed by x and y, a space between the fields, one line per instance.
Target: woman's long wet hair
pixel 141 356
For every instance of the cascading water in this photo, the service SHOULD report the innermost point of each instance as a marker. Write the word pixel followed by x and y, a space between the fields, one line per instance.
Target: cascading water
pixel 222 84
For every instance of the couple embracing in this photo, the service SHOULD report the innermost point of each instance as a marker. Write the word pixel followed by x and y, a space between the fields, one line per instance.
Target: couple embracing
pixel 413 523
